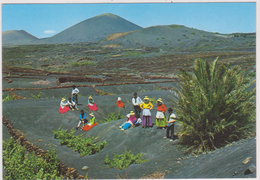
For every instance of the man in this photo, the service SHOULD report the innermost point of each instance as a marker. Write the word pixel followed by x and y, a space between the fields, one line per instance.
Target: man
pixel 74 93
pixel 137 101
pixel 170 124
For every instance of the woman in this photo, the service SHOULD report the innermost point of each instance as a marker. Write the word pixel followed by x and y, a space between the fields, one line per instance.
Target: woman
pixel 64 106
pixel 119 103
pixel 160 115
pixel 146 106
pixel 92 106
pixel 82 118
pixel 129 122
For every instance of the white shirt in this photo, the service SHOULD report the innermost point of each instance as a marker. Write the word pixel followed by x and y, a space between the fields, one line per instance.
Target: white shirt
pixel 172 117
pixel 138 101
pixel 63 103
pixel 75 91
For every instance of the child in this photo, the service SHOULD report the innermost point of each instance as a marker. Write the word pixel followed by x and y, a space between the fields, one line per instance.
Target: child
pixel 147 106
pixel 170 125
pixel 72 104
pixel 64 107
pixel 137 101
pixel 92 106
pixel 82 118
pixel 160 117
pixel 74 93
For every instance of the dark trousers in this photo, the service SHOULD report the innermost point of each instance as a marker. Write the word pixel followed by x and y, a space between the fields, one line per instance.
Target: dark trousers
pixel 170 128
pixel 75 98
pixel 137 111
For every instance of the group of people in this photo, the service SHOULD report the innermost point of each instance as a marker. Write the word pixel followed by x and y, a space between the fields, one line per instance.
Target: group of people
pixel 145 106
pixel 133 118
pixel 71 104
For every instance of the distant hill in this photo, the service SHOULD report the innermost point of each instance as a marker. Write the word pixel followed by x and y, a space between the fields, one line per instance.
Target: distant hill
pixel 93 29
pixel 17 37
pixel 175 36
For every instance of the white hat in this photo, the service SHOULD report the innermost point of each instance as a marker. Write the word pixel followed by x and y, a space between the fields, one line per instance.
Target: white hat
pixel 128 115
pixel 91 114
pixel 119 98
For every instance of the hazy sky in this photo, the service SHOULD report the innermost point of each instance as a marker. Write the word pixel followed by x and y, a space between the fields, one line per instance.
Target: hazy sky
pixel 45 20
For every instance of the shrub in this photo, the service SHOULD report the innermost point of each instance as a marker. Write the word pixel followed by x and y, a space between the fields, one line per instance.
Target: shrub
pixel 8 98
pixel 112 117
pixel 85 146
pixel 153 100
pixel 19 164
pixel 193 33
pixel 122 161
pixel 39 96
pixel 214 105
pixel 165 44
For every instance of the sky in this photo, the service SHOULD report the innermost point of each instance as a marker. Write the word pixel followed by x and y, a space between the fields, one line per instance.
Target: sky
pixel 46 20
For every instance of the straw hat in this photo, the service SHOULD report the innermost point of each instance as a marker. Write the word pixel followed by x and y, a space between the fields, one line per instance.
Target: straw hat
pixel 159 100
pixel 90 97
pixel 132 113
pixel 91 114
pixel 146 98
pixel 63 99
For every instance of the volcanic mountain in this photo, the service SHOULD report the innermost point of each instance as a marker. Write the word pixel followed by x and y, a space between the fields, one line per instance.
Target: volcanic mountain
pixel 93 29
pixel 163 36
pixel 17 37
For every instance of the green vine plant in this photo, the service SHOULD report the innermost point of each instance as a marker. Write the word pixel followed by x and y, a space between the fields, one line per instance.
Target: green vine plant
pixel 8 98
pixel 85 146
pixel 19 164
pixel 38 96
pixel 122 161
pixel 112 116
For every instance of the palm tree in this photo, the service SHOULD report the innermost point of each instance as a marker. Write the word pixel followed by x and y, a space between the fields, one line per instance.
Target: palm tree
pixel 215 105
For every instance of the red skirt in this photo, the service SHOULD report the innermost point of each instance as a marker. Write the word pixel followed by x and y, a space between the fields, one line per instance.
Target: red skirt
pixel 93 107
pixel 65 109
pixel 120 104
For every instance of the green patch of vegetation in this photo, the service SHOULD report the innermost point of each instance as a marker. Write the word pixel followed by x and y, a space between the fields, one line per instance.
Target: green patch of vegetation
pixel 122 161
pixel 85 146
pixel 157 88
pixel 162 37
pixel 184 35
pixel 157 38
pixel 19 164
pixel 153 100
pixel 85 63
pixel 8 98
pixel 112 116
pixel 252 74
pixel 178 39
pixel 193 33
pixel 165 44
pixel 214 106
pixel 38 96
